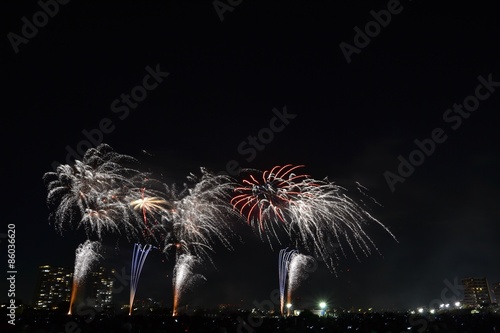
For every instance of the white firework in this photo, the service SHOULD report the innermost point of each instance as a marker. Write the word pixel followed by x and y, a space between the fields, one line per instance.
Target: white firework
pixel 297 272
pixel 94 192
pixel 200 216
pixel 184 277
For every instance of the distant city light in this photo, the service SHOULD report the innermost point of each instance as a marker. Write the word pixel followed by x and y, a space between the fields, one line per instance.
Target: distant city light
pixel 289 305
pixel 420 310
pixel 457 304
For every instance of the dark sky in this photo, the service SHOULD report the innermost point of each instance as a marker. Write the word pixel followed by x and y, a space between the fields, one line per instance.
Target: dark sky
pixel 353 120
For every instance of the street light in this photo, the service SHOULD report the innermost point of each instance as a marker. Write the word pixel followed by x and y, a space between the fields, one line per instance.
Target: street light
pixel 322 305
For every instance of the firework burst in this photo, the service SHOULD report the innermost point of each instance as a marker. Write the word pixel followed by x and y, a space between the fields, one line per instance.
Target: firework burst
pixel 95 190
pixel 199 217
pixel 265 198
pixel 149 205
pixel 152 208
pixel 197 220
pixel 314 213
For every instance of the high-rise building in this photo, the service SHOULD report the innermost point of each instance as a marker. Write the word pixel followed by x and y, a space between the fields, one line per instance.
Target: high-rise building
pixel 476 292
pixel 101 288
pixel 496 292
pixel 55 283
pixel 54 287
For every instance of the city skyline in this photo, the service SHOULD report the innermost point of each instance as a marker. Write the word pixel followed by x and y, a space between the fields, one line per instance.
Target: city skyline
pixel 408 111
pixel 94 295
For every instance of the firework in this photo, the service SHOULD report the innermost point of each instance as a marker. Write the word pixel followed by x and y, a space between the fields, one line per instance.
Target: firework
pixel 285 257
pixel 184 278
pixel 94 189
pixel 265 198
pixel 138 257
pixel 314 213
pixel 105 195
pixel 149 205
pixel 296 268
pixel 196 221
pixel 199 217
pixel 152 208
pixel 86 254
pixel 324 215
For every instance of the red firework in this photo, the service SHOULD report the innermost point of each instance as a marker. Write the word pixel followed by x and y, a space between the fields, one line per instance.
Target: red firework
pixel 268 195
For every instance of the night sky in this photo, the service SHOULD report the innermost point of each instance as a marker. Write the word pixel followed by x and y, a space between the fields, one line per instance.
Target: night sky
pixel 354 113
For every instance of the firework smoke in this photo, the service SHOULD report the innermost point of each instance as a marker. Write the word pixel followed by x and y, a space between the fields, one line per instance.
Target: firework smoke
pixel 86 254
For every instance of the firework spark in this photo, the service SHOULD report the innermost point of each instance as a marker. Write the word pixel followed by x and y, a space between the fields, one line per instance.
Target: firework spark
pixel 86 254
pixel 199 217
pixel 284 259
pixel 138 257
pixel 94 189
pixel 265 198
pixel 149 205
pixel 298 264
pixel 152 208
pixel 184 278
pixel 314 213
pixel 197 220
